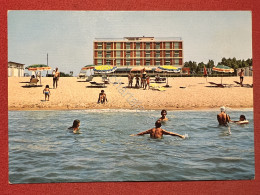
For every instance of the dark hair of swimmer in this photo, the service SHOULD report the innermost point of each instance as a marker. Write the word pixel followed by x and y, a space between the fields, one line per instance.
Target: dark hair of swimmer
pixel 47 86
pixel 163 112
pixel 243 116
pixel 158 124
pixel 102 91
pixel 75 123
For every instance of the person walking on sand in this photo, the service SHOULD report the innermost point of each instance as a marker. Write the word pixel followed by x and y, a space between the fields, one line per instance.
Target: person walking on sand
pixel 56 76
pixel 241 74
pixel 137 81
pixel 163 118
pixel 75 127
pixel 130 80
pixel 147 82
pixel 47 92
pixel 223 118
pixel 158 132
pixel 102 98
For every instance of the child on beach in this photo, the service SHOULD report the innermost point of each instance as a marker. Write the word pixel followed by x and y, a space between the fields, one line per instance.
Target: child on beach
pixel 75 126
pixel 158 132
pixel 102 98
pixel 242 120
pixel 47 92
pixel 163 118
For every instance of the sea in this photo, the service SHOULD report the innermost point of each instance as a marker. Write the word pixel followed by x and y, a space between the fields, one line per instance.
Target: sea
pixel 43 150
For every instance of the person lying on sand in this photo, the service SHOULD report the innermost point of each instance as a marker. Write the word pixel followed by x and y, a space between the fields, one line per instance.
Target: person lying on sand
pixel 223 118
pixel 158 132
pixel 75 126
pixel 102 97
pixel 242 120
pixel 163 118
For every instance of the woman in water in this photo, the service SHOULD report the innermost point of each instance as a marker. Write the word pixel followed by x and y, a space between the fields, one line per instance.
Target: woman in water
pixel 75 126
pixel 47 92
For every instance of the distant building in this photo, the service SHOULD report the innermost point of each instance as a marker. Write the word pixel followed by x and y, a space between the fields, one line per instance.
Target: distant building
pixel 138 51
pixel 15 69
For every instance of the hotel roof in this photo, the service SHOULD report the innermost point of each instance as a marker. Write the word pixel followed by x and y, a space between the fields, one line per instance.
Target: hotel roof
pixel 143 38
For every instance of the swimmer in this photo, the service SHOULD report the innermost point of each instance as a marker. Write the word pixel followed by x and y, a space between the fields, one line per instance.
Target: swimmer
pixel 242 120
pixel 223 118
pixel 75 126
pixel 102 98
pixel 163 118
pixel 47 92
pixel 158 132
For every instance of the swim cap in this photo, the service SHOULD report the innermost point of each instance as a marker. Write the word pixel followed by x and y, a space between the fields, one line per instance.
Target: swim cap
pixel 222 109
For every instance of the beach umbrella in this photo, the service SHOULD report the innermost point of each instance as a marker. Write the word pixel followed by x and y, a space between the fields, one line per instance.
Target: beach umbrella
pixel 38 67
pixel 223 69
pixel 104 69
pixel 168 68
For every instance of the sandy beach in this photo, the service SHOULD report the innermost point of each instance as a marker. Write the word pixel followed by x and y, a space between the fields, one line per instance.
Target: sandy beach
pixel 184 93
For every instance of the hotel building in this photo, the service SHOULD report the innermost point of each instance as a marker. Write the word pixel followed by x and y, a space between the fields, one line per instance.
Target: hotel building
pixel 138 51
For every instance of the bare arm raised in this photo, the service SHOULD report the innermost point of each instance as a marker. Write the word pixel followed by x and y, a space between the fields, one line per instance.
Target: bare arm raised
pixel 142 133
pixel 172 134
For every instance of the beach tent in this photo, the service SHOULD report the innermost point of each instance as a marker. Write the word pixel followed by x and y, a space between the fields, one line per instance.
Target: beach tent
pixel 38 67
pixel 223 69
pixel 168 68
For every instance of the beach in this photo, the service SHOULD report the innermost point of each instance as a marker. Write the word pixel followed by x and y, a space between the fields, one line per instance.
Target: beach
pixel 185 93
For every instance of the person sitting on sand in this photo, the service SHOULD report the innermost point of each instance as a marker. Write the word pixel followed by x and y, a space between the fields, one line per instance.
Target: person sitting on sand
pixel 102 98
pixel 163 118
pixel 47 92
pixel 242 120
pixel 241 74
pixel 158 132
pixel 75 126
pixel 223 118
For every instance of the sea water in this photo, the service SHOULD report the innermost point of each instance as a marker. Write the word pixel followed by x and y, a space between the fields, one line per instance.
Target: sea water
pixel 42 150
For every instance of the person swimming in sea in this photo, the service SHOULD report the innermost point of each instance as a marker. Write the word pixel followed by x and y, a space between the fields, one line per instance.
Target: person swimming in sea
pixel 158 132
pixel 223 117
pixel 47 92
pixel 163 118
pixel 75 127
pixel 242 120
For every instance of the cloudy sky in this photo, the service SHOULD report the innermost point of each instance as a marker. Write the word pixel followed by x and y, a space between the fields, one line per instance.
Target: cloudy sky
pixel 67 36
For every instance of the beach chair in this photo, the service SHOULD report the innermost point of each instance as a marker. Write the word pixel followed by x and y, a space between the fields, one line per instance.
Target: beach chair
pixel 89 78
pixel 96 85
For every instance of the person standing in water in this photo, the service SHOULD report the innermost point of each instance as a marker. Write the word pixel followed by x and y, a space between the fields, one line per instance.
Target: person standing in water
pixel 223 118
pixel 56 76
pixel 158 132
pixel 75 126
pixel 163 118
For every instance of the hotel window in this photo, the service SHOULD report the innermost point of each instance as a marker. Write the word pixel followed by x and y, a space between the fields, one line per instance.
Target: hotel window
pixel 100 54
pixel 167 62
pixel 108 55
pixel 167 54
pixel 157 46
pixel 147 63
pixel 176 62
pixel 176 54
pixel 118 45
pixel 128 62
pixel 167 45
pixel 127 45
pixel 138 54
pixel 137 45
pixel 108 62
pixel 158 62
pixel 157 54
pixel 118 54
pixel 99 62
pixel 147 54
pixel 147 45
pixel 99 46
pixel 108 45
pixel 176 45
pixel 138 62
pixel 118 62
pixel 128 54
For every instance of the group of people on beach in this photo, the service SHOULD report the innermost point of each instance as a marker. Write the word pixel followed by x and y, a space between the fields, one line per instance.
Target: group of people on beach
pixel 46 90
pixel 145 80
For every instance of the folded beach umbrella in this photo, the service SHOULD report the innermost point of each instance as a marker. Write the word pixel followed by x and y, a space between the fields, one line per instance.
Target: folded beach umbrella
pixel 87 67
pixel 223 69
pixel 38 67
pixel 104 69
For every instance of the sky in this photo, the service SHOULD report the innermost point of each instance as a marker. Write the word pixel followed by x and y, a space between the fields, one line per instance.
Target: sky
pixel 67 36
